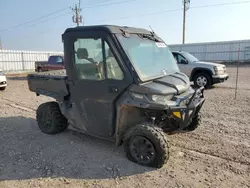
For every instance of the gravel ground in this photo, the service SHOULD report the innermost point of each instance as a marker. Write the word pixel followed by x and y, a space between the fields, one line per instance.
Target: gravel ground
pixel 217 154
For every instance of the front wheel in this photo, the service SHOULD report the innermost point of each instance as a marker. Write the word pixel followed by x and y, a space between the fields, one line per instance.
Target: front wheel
pixel 203 79
pixel 194 124
pixel 146 145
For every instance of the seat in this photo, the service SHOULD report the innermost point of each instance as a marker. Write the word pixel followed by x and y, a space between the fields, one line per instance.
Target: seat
pixel 113 69
pixel 82 53
pixel 87 67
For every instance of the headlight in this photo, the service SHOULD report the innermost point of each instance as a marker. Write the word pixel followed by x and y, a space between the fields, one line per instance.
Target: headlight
pixel 137 95
pixel 219 70
pixel 162 98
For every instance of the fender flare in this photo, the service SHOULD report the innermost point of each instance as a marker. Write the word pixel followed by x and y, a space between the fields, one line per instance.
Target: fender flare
pixel 196 70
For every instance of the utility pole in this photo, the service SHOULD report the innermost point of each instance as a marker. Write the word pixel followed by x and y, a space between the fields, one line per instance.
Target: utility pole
pixel 186 4
pixel 77 9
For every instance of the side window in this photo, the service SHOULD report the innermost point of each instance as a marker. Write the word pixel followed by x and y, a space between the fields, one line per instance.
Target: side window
pixel 180 59
pixel 114 71
pixel 59 60
pixel 87 65
pixel 90 61
pixel 175 57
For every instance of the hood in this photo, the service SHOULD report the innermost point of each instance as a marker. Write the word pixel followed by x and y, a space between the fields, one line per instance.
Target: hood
pixel 210 63
pixel 176 83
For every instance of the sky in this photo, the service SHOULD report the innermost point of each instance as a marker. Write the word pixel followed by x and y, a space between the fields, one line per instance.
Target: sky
pixel 21 26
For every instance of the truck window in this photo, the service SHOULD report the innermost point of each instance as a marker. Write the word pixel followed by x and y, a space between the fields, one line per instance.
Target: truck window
pixel 113 69
pixel 55 60
pixel 85 51
pixel 90 61
pixel 59 60
pixel 180 58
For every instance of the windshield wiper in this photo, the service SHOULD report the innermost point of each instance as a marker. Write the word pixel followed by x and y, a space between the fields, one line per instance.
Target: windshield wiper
pixel 149 37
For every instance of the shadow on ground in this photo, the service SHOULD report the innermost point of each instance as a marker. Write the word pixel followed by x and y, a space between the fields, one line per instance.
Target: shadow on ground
pixel 27 153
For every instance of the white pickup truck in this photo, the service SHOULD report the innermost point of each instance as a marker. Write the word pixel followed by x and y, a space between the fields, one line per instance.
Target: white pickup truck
pixel 201 73
pixel 3 80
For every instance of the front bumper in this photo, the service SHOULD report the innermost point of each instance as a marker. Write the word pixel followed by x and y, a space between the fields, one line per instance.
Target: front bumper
pixel 219 78
pixel 184 114
pixel 3 81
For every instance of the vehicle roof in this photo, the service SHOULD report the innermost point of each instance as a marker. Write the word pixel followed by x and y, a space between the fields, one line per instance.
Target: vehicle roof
pixel 109 28
pixel 180 51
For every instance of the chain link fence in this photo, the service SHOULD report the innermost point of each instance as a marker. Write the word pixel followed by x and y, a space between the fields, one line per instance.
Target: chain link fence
pixel 22 61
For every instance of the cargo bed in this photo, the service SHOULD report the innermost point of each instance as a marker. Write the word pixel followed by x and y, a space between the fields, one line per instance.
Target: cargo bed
pixel 51 83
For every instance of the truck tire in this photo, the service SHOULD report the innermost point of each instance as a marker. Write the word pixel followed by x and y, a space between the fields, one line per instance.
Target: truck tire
pixel 39 69
pixel 194 124
pixel 146 145
pixel 50 119
pixel 203 79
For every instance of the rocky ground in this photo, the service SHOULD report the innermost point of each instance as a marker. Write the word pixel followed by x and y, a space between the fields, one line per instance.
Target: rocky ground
pixel 217 154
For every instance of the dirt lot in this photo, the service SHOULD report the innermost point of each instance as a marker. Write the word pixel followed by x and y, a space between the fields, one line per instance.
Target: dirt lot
pixel 217 154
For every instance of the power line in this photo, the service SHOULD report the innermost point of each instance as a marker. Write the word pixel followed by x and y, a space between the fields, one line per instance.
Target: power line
pixel 141 15
pixel 39 18
pixel 47 15
pixel 115 3
pixel 221 4
pixel 97 2
pixel 47 20
pixel 167 11
pixel 173 10
pixel 127 17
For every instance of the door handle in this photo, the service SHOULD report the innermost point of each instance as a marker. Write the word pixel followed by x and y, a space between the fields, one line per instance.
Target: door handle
pixel 113 89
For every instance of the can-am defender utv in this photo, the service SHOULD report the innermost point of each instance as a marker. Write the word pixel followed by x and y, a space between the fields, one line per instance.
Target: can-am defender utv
pixel 120 83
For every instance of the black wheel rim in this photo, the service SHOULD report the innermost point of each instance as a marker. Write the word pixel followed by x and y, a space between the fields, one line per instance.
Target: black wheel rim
pixel 142 150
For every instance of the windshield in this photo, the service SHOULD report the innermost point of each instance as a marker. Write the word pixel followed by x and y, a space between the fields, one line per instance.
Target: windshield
pixel 189 57
pixel 150 59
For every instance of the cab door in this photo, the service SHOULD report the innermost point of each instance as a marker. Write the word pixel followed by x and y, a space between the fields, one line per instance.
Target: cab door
pixel 94 92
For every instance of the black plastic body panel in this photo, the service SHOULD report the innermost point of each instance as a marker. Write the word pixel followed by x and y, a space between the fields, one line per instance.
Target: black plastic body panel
pixel 52 83
pixel 104 107
pixel 176 83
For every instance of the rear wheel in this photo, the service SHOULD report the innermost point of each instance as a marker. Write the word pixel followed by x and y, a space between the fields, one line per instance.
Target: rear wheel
pixel 50 119
pixel 146 145
pixel 39 69
pixel 203 79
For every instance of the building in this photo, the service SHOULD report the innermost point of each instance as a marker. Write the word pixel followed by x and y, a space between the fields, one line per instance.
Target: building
pixel 225 51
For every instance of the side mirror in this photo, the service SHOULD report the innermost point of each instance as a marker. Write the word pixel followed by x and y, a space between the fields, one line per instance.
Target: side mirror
pixel 184 61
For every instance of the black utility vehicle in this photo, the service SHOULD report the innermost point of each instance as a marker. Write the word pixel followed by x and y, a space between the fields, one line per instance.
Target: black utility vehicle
pixel 119 83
